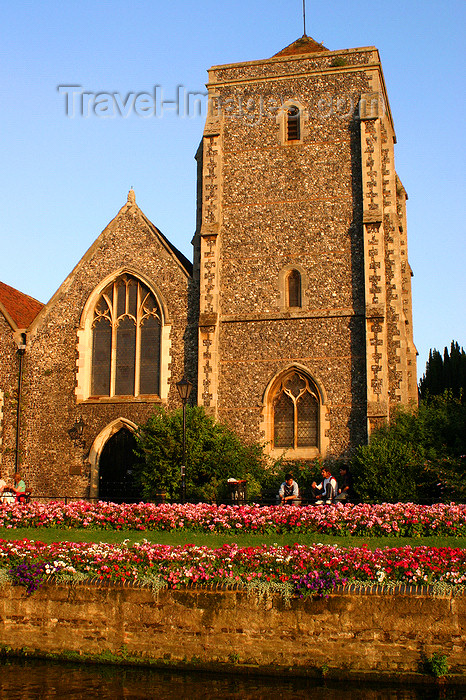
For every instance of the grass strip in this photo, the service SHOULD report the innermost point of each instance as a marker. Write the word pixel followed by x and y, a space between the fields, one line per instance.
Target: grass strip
pixel 214 540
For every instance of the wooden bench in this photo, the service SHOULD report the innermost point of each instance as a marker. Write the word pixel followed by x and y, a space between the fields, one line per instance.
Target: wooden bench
pixel 24 497
pixel 270 498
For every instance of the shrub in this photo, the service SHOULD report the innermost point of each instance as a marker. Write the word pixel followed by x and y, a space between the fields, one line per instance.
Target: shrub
pixel 418 457
pixel 214 453
pixel 385 471
pixel 437 665
pixel 437 428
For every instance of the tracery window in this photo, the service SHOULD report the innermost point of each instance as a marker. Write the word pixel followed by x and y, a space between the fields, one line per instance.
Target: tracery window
pixel 293 288
pixel 126 331
pixel 296 413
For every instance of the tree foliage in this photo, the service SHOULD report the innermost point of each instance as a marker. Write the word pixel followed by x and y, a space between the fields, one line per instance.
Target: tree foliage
pixel 385 470
pixel 447 372
pixel 418 457
pixel 214 453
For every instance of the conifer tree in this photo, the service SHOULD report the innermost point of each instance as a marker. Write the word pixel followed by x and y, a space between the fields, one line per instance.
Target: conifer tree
pixel 447 372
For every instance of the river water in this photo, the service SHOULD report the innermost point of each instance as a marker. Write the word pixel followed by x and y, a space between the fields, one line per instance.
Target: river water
pixel 29 680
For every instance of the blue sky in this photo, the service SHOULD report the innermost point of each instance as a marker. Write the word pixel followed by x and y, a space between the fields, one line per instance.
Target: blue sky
pixel 63 179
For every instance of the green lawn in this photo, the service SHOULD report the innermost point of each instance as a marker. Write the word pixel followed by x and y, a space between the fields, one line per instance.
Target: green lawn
pixel 216 540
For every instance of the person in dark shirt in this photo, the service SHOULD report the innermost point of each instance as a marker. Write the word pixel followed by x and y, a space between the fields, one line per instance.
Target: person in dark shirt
pixel 345 491
pixel 289 491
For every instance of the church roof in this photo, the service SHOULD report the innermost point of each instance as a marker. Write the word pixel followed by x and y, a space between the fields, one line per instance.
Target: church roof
pixel 182 259
pixel 21 308
pixel 305 44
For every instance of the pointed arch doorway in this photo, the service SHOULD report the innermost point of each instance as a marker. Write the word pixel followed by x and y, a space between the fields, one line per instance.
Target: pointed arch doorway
pixel 116 463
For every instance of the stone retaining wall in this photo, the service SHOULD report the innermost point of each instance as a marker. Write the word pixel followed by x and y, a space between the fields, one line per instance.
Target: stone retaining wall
pixel 350 632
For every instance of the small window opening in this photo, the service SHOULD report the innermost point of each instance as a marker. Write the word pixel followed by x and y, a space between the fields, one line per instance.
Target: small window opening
pixel 292 124
pixel 294 288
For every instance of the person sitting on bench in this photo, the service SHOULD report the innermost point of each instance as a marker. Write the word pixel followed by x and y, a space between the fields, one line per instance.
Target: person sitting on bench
pixel 345 484
pixel 19 489
pixel 289 491
pixel 6 494
pixel 326 491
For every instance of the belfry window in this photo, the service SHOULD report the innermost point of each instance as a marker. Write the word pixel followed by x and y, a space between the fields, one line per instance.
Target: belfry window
pixel 293 288
pixel 293 127
pixel 126 331
pixel 295 413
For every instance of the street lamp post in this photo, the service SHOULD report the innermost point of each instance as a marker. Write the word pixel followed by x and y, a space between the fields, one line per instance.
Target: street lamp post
pixel 20 352
pixel 184 389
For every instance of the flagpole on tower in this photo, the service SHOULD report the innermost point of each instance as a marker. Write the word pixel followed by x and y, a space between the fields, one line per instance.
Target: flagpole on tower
pixel 304 17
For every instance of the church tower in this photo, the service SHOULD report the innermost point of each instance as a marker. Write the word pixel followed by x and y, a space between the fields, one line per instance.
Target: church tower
pixel 300 253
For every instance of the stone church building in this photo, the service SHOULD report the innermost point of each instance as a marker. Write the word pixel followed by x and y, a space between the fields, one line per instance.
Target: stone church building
pixel 293 322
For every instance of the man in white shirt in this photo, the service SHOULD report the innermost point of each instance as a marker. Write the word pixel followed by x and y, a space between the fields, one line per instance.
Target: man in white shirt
pixel 326 491
pixel 3 487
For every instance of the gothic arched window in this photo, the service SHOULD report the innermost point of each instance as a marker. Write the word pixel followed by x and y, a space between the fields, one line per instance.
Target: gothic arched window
pixel 126 330
pixel 296 413
pixel 293 288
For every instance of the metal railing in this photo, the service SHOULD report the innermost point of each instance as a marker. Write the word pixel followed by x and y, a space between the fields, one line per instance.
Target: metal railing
pixel 66 499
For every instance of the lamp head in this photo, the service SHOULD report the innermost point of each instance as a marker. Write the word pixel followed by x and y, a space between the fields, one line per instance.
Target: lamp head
pixel 184 389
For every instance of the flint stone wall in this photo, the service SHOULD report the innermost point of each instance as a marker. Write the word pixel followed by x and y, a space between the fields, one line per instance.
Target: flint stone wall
pixel 352 633
pixel 9 369
pixel 51 462
pixel 297 205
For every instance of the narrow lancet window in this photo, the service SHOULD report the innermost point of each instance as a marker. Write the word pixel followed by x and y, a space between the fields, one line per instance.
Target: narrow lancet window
pixel 294 288
pixel 293 130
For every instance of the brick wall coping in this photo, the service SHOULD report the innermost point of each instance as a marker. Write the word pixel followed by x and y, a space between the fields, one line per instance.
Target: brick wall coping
pixel 353 588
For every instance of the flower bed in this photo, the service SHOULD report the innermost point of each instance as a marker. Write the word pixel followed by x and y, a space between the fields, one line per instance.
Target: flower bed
pixel 396 520
pixel 298 569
